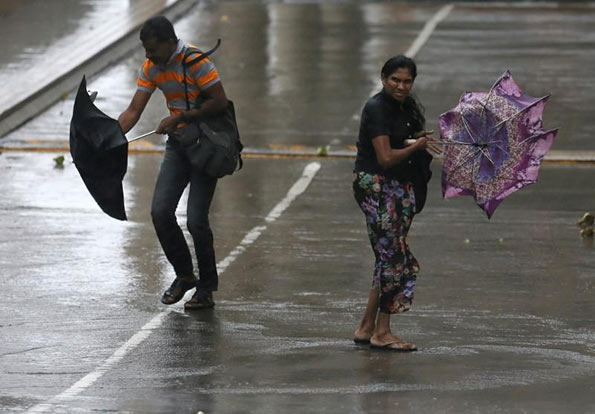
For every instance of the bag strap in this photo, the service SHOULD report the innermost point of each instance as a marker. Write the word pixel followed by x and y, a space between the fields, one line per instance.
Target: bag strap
pixel 239 144
pixel 201 56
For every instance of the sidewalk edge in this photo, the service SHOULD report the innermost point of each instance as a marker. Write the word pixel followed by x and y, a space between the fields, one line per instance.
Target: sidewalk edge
pixel 37 102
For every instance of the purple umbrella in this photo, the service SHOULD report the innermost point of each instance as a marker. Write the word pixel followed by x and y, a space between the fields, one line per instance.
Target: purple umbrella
pixel 493 143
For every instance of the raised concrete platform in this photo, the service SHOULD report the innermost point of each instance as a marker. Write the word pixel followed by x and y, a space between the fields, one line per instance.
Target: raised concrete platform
pixel 100 46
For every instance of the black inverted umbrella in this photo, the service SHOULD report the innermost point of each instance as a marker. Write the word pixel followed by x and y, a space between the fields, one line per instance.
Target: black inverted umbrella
pixel 99 150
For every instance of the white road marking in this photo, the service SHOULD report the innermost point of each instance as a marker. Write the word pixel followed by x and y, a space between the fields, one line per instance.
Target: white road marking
pixel 417 44
pixel 428 29
pixel 298 188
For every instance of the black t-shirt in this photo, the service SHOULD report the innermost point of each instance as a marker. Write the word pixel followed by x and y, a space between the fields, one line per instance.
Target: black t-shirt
pixel 383 115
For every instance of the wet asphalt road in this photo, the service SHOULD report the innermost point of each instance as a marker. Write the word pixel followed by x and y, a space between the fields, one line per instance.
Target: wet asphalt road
pixel 504 308
pixel 503 315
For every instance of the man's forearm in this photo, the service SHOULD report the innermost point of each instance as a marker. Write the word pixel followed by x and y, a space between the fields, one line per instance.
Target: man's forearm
pixel 131 115
pixel 210 107
pixel 127 120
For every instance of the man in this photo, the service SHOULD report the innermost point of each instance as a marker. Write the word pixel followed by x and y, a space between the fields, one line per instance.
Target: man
pixel 163 69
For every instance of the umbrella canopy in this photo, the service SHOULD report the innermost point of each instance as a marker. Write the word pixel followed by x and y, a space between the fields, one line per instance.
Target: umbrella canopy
pixel 493 143
pixel 99 150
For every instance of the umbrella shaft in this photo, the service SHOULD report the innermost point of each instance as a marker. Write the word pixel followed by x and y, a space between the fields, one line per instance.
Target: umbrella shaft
pixel 471 144
pixel 142 136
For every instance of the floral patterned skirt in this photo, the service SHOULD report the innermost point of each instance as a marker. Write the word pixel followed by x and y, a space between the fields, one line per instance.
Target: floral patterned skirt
pixel 389 208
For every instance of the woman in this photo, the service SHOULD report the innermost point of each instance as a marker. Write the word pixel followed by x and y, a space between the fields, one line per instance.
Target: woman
pixel 389 185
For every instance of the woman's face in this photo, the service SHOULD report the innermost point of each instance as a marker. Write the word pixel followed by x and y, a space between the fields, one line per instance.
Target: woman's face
pixel 398 84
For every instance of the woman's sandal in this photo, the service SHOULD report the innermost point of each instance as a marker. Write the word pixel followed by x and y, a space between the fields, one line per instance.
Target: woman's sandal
pixel 402 347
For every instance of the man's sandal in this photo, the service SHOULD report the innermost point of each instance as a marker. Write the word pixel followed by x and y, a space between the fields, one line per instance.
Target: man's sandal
pixel 177 290
pixel 200 300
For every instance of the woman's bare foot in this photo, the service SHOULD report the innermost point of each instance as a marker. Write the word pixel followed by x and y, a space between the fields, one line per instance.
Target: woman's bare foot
pixel 362 335
pixel 391 342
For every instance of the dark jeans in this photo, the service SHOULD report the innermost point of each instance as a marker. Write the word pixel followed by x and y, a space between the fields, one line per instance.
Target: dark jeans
pixel 174 176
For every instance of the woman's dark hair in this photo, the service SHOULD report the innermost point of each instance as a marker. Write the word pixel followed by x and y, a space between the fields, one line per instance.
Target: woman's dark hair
pixel 397 62
pixel 159 28
pixel 411 104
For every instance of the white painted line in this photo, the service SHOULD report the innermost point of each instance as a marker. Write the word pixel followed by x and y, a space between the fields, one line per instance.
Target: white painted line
pixel 239 249
pixel 90 378
pixel 419 41
pixel 417 44
pixel 428 29
pixel 298 188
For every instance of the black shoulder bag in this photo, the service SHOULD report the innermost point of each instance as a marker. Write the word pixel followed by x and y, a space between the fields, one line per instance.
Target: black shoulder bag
pixel 212 144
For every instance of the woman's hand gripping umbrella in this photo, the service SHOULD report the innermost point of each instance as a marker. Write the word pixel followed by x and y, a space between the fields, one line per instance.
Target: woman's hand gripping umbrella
pixel 426 141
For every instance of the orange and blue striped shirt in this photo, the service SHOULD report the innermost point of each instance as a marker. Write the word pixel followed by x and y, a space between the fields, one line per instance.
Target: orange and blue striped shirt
pixel 170 78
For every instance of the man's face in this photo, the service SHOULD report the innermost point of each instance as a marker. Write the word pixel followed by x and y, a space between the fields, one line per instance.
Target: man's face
pixel 157 51
pixel 398 84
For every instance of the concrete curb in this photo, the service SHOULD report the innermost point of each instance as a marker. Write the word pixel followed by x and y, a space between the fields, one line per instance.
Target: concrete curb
pixel 63 83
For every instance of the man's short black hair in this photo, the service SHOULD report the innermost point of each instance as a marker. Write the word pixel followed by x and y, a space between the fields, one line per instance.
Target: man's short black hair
pixel 159 28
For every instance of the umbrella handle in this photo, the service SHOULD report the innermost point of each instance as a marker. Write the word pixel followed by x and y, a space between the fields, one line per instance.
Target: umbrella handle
pixel 142 136
pixel 412 141
pixel 442 142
